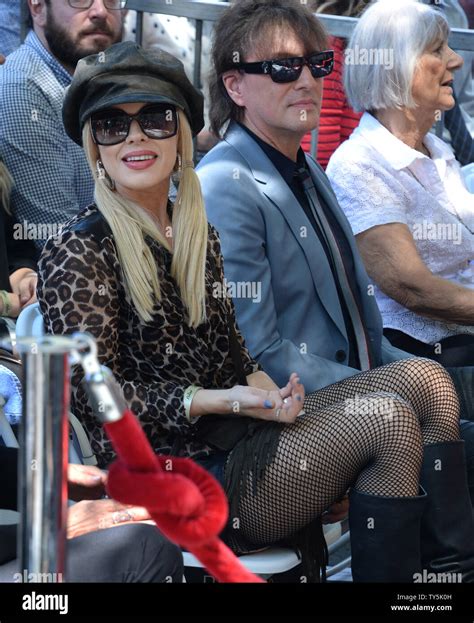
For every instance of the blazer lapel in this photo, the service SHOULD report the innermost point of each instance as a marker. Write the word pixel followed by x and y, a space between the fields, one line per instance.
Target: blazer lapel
pixel 326 193
pixel 276 190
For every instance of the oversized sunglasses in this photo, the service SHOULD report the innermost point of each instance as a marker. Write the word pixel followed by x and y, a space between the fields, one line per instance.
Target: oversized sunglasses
pixel 320 65
pixel 111 126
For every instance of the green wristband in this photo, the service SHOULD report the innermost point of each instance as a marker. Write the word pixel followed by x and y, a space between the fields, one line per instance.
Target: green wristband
pixel 5 303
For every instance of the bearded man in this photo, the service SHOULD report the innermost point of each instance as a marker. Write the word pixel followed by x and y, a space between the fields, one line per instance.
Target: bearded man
pixel 52 179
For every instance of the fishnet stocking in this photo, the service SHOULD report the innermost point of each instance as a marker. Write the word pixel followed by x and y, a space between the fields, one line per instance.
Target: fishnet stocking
pixel 367 431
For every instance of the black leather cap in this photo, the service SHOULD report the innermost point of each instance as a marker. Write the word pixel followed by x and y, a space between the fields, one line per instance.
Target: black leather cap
pixel 127 73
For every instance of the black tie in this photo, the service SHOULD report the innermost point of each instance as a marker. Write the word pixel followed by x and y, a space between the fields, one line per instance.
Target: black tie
pixel 339 268
pixel 461 139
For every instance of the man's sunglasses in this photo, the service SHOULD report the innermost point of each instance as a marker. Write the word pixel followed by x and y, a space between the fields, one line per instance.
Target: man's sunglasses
pixel 320 65
pixel 109 4
pixel 111 126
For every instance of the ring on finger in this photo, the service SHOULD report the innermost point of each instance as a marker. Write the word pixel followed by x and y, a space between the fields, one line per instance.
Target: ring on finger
pixel 277 414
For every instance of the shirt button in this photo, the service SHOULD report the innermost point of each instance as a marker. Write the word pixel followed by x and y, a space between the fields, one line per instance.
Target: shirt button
pixel 340 356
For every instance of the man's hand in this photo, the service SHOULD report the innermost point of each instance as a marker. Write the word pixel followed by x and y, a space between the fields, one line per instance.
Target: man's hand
pixel 27 289
pixel 85 482
pixel 91 515
pixel 2 59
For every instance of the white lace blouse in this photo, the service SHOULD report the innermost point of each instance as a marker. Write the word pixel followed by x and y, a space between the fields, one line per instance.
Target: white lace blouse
pixel 378 179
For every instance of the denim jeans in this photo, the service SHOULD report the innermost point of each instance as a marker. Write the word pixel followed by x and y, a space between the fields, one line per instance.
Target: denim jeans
pixel 215 464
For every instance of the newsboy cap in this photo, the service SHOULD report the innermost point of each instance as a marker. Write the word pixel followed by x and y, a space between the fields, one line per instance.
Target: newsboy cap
pixel 127 73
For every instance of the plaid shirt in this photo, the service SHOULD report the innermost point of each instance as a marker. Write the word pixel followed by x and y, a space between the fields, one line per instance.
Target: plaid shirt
pixel 9 26
pixel 51 175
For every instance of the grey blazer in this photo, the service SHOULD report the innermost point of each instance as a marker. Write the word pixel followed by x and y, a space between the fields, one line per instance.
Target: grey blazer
pixel 286 301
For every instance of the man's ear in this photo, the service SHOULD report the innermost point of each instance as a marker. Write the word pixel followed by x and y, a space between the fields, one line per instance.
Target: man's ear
pixel 38 12
pixel 232 80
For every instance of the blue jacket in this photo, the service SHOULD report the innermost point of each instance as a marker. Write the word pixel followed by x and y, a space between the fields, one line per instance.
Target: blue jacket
pixel 284 293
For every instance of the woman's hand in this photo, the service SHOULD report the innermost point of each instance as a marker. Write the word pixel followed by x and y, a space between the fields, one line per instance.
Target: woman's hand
pixel 85 482
pixel 281 405
pixel 91 515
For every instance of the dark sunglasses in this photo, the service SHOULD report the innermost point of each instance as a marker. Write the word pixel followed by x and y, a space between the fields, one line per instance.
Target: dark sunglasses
pixel 320 65
pixel 111 126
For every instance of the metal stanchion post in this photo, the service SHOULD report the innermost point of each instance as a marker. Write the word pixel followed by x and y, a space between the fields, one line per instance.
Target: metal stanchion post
pixel 43 457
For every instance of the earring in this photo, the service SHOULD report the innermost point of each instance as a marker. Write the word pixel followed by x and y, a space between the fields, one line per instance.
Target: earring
pixel 103 175
pixel 99 167
pixel 177 170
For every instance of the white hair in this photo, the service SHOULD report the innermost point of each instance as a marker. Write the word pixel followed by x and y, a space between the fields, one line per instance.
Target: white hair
pixel 402 31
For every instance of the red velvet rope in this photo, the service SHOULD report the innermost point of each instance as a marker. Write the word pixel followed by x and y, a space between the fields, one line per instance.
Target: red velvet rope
pixel 187 503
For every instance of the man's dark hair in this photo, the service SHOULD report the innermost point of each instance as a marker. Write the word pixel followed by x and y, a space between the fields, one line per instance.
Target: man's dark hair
pixel 245 27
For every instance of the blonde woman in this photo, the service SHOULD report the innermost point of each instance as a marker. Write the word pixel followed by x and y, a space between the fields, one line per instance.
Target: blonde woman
pixel 140 274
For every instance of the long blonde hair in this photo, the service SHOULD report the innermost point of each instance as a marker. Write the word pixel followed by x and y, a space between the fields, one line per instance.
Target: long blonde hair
pixel 6 184
pixel 130 223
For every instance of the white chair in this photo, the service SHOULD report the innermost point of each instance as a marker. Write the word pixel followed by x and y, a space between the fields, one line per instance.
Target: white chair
pixel 267 563
pixel 276 560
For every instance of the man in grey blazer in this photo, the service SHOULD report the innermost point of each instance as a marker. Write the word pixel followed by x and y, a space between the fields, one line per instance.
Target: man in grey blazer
pixel 303 299
pixel 289 309
pixel 271 242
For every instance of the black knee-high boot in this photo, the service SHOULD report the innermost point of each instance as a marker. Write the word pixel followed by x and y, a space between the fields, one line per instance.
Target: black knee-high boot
pixel 447 526
pixel 385 536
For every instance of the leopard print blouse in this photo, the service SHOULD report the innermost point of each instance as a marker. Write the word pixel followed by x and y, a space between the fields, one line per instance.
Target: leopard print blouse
pixel 81 288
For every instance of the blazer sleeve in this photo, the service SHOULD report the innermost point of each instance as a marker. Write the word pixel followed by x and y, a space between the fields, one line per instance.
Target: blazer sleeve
pixel 237 215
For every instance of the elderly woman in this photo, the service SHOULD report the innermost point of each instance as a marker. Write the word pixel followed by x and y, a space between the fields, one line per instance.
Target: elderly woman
pixel 401 187
pixel 139 273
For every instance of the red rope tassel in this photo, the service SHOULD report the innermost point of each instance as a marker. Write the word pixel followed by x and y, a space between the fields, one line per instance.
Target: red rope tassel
pixel 187 503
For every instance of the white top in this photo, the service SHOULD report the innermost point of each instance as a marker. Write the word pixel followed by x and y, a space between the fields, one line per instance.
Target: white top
pixel 378 179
